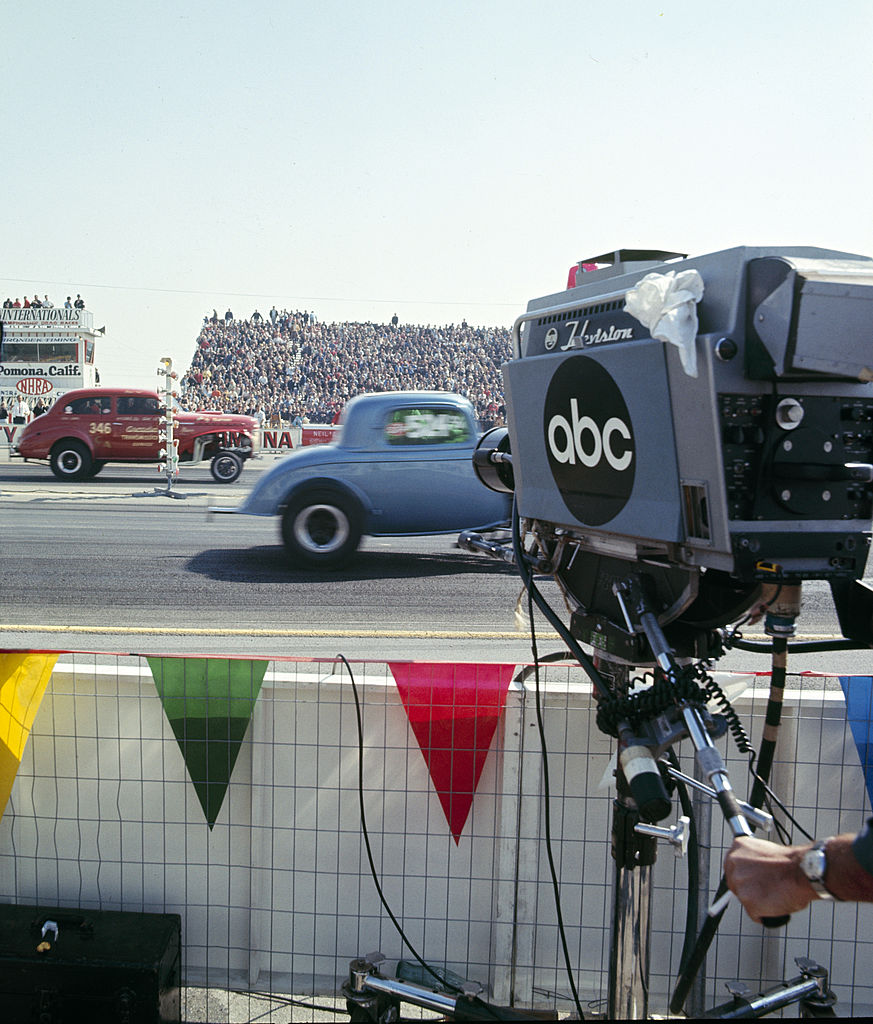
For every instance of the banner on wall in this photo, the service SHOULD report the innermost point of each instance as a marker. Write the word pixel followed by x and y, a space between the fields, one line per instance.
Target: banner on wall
pixel 858 691
pixel 209 703
pixel 23 680
pixel 453 711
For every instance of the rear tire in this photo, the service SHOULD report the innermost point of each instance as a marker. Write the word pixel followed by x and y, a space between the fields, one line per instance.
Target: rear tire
pixel 322 528
pixel 71 460
pixel 226 467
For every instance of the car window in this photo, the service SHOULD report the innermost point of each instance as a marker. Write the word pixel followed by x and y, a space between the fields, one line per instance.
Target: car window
pixel 93 406
pixel 138 405
pixel 420 425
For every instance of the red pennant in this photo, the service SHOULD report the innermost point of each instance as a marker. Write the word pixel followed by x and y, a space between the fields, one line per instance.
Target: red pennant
pixel 453 711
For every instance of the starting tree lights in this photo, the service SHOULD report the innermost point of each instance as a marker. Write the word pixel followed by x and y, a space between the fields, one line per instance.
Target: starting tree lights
pixel 169 453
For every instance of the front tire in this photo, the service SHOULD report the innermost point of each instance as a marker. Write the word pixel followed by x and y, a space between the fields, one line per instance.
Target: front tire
pixel 322 528
pixel 226 467
pixel 71 460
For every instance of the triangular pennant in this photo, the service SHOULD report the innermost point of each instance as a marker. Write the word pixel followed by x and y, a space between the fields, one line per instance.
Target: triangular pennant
pixel 23 679
pixel 209 703
pixel 858 691
pixel 453 711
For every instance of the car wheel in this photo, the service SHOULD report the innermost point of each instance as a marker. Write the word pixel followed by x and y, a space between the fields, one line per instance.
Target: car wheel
pixel 71 460
pixel 226 467
pixel 322 528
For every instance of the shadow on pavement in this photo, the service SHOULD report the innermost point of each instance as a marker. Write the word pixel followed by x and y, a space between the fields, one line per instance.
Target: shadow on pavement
pixel 269 563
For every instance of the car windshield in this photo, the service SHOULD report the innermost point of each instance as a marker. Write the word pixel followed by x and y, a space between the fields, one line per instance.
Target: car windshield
pixel 138 405
pixel 423 425
pixel 89 406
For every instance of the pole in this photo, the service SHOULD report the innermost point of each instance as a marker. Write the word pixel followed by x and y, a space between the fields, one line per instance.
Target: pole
pixel 169 454
pixel 634 855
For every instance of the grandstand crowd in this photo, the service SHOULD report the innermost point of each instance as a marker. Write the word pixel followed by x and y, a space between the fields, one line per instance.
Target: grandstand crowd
pixel 286 365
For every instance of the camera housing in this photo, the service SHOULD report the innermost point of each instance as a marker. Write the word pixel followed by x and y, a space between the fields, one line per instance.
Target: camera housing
pixel 759 468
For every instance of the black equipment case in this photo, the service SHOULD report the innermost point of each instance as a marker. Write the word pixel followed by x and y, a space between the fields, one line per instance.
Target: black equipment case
pixel 61 965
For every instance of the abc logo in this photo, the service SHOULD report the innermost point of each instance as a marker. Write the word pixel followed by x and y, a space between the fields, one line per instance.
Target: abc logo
pixel 589 440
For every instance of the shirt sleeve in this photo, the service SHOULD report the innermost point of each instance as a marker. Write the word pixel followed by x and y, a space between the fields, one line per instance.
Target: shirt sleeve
pixel 862 846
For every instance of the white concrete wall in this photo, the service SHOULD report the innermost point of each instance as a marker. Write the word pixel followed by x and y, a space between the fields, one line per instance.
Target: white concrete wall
pixel 279 895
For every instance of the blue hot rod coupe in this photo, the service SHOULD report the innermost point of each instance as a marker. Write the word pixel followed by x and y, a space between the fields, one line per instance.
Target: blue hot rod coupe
pixel 401 466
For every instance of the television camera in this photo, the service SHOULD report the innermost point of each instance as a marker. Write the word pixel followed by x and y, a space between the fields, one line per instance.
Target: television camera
pixel 707 420
pixel 687 441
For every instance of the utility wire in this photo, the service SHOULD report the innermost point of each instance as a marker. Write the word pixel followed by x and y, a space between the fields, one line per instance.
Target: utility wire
pixel 257 295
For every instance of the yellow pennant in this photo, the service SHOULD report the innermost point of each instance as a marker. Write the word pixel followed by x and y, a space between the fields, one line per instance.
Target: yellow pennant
pixel 23 679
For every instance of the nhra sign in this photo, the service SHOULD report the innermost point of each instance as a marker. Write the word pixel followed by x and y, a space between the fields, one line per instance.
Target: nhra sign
pixel 34 386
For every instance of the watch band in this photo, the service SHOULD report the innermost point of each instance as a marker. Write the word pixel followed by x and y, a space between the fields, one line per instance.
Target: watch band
pixel 814 865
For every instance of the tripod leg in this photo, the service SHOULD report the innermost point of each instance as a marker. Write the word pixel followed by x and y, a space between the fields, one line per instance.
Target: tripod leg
pixel 631 915
pixel 634 855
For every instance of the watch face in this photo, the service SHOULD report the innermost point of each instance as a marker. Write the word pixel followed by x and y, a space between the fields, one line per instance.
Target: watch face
pixel 814 865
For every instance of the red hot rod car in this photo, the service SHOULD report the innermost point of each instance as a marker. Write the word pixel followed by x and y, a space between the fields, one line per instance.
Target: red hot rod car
pixel 89 427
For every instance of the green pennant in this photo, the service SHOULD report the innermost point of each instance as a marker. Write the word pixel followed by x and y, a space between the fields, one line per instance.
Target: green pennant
pixel 209 703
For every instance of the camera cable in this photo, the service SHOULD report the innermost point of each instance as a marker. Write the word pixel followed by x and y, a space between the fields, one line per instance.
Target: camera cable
pixel 366 835
pixel 547 799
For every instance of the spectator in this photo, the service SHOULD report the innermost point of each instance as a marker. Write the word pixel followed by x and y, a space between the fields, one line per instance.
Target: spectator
pixel 7 304
pixel 79 303
pixel 315 368
pixel 47 304
pixel 4 412
pixel 20 412
pixel 68 304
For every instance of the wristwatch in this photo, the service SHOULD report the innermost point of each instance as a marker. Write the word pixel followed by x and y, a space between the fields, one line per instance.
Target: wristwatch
pixel 814 864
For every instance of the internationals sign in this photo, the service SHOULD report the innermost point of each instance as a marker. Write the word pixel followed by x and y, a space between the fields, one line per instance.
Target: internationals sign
pixel 589 440
pixel 34 386
pixel 42 315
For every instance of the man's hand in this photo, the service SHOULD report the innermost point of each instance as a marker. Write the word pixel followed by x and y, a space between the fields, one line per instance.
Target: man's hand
pixel 770 882
pixel 767 878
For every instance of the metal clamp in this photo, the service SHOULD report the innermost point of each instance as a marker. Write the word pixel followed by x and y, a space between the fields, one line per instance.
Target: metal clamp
pixel 676 835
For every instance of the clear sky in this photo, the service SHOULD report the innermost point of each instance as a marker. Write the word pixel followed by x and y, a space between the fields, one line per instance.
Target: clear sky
pixel 438 160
